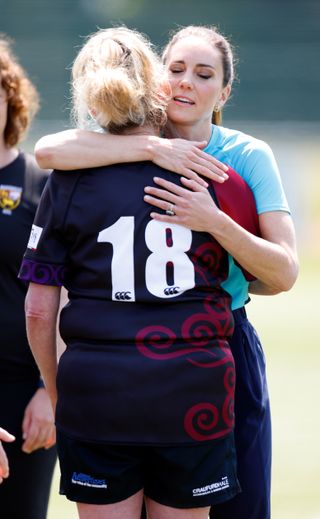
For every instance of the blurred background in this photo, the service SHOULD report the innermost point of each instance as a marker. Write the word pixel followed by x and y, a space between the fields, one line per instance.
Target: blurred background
pixel 275 98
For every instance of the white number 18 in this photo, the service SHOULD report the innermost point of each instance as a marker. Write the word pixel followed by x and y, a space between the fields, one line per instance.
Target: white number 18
pixel 164 252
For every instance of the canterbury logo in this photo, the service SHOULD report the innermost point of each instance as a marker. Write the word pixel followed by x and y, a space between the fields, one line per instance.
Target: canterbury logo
pixel 123 296
pixel 169 291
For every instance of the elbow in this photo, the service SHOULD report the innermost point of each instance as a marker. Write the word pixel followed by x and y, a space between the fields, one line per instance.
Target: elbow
pixel 44 154
pixel 35 313
pixel 36 308
pixel 41 308
pixel 288 278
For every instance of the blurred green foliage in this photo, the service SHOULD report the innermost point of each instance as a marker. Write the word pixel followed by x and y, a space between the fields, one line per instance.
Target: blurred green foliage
pixel 277 43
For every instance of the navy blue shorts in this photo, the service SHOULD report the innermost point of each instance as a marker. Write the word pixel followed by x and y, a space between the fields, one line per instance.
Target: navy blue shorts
pixel 252 427
pixel 176 476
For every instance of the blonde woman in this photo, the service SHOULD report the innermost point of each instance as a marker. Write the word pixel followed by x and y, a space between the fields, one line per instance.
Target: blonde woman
pixel 144 396
pixel 200 65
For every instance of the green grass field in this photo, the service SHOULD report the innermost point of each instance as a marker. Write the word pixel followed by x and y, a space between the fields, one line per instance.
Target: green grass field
pixel 288 326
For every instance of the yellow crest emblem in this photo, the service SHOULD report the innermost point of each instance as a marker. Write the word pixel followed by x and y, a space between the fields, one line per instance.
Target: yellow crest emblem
pixel 10 197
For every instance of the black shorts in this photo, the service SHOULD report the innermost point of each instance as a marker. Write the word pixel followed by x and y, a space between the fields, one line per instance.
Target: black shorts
pixel 176 476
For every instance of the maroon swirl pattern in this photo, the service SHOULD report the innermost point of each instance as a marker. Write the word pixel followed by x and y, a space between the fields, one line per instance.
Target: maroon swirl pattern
pixel 228 404
pixel 155 342
pixel 201 420
pixel 42 273
pixel 207 262
pixel 216 321
pixel 198 331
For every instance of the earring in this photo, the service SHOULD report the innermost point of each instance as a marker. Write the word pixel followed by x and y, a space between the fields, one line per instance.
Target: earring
pixel 216 108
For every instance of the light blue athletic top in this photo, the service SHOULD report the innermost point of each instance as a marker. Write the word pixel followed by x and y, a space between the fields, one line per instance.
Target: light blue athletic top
pixel 254 161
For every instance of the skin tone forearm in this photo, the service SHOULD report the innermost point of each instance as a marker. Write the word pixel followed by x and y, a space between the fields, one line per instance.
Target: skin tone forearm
pixel 38 421
pixel 271 258
pixel 42 305
pixel 74 149
pixel 259 288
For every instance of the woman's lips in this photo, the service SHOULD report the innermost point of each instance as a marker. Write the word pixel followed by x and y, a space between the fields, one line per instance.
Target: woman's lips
pixel 183 100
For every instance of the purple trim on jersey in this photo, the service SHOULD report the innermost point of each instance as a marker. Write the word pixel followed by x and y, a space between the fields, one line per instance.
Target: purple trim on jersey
pixel 236 199
pixel 42 273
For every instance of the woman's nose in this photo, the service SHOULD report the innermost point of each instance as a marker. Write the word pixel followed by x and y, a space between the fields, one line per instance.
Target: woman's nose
pixel 186 83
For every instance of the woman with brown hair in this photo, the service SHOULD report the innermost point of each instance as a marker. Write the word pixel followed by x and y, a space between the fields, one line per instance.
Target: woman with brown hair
pixel 25 408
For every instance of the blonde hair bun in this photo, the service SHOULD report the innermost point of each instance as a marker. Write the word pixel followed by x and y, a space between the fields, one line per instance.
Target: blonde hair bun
pixel 117 80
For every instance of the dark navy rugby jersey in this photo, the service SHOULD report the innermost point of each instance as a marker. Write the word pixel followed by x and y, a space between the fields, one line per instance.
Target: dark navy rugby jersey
pixel 147 325
pixel 21 184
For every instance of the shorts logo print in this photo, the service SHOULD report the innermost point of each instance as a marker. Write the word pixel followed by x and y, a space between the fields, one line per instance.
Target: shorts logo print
pixel 78 478
pixel 223 484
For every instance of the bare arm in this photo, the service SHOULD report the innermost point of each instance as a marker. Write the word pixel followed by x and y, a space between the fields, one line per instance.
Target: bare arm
pixel 271 258
pixel 42 305
pixel 258 288
pixel 77 149
pixel 38 421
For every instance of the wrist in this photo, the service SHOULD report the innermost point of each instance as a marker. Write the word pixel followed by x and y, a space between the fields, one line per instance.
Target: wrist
pixel 217 223
pixel 152 142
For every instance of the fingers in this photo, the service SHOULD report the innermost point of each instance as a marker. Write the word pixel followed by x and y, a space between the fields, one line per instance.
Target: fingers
pixel 39 437
pixel 51 440
pixel 5 436
pixel 161 204
pixel 165 218
pixel 210 160
pixel 4 465
pixel 172 193
pixel 178 190
pixel 207 165
pixel 160 193
pixel 189 173
pixel 188 158
pixel 216 175
pixel 192 186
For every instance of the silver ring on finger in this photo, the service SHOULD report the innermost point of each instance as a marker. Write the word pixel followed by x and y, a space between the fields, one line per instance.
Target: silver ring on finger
pixel 170 210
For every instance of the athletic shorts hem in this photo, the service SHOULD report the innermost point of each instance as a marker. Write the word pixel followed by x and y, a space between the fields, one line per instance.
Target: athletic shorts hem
pixel 94 500
pixel 209 500
pixel 184 477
